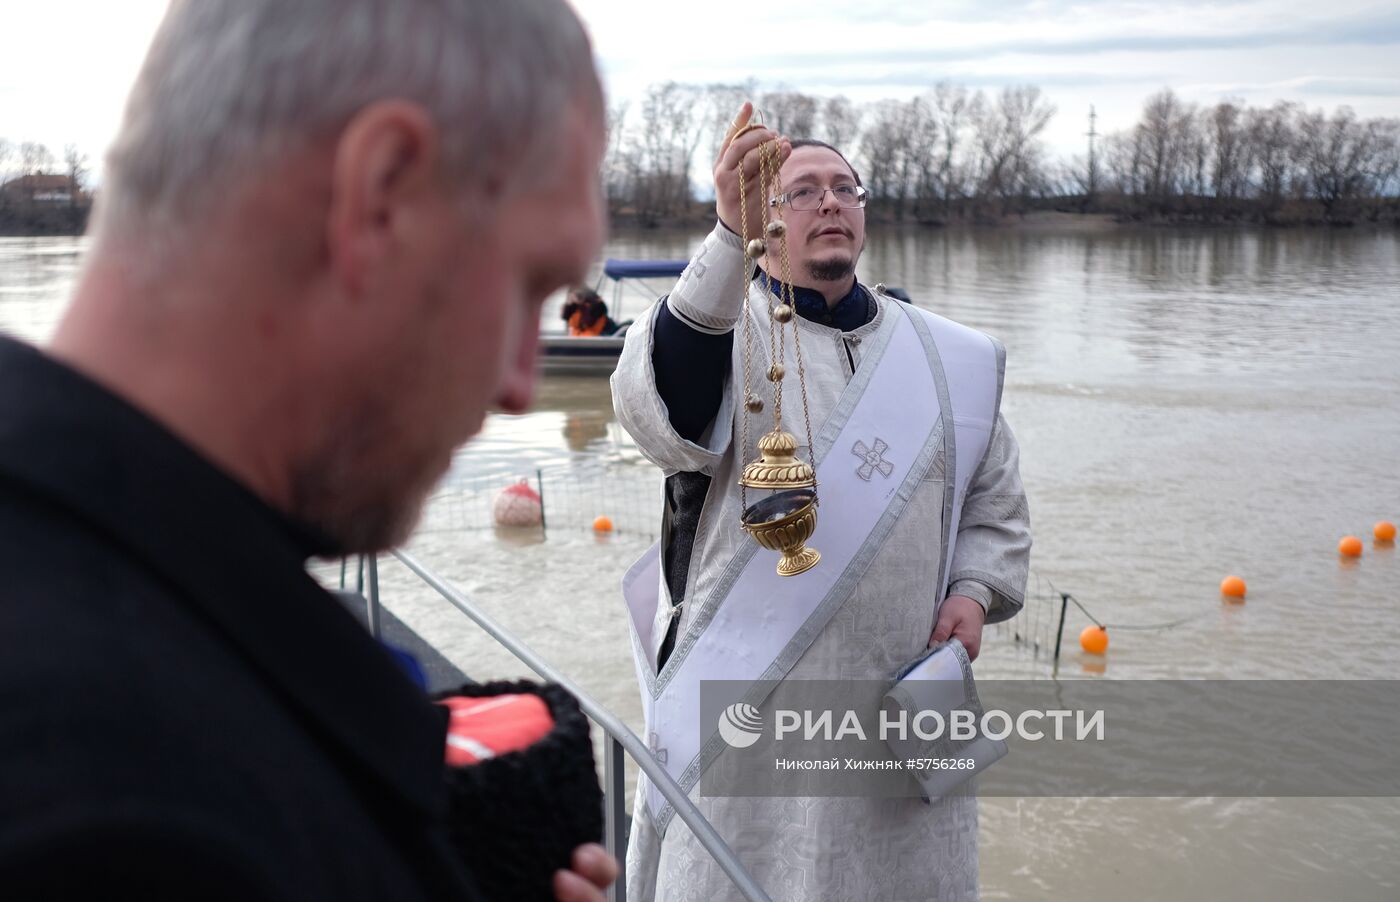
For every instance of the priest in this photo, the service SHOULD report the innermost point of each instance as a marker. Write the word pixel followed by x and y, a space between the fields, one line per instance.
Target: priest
pixel 923 527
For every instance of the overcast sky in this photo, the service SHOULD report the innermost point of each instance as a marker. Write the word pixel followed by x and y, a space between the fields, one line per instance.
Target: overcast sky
pixel 66 64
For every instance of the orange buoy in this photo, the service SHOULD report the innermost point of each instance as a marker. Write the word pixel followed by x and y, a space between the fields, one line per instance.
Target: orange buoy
pixel 1232 587
pixel 1384 531
pixel 602 524
pixel 1094 639
pixel 1349 546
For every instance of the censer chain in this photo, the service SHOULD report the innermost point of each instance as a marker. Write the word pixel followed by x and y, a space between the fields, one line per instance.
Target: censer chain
pixel 791 301
pixel 769 183
pixel 768 180
pixel 748 330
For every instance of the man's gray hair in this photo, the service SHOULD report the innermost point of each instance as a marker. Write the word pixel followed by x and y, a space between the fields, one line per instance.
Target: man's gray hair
pixel 230 84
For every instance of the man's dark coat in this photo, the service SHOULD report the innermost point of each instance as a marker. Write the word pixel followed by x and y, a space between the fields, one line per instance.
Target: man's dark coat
pixel 184 713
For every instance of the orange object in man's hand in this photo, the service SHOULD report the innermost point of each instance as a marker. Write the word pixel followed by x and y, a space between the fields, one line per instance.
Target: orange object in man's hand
pixel 482 728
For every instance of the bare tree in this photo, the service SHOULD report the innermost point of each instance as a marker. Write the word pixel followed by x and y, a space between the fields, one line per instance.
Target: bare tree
pixel 920 164
pixel 7 157
pixel 1164 129
pixel 951 106
pixel 662 149
pixel 840 123
pixel 1335 155
pixel 1075 176
pixel 898 150
pixel 1007 137
pixel 1123 156
pixel 616 165
pixel 1271 141
pixel 911 124
pixel 722 101
pixel 790 113
pixel 1229 144
pixel 1194 142
pixel 1385 176
pixel 77 164
pixel 884 151
pixel 34 158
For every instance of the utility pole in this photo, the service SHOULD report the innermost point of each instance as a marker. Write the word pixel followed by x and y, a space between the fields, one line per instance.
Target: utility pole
pixel 1092 186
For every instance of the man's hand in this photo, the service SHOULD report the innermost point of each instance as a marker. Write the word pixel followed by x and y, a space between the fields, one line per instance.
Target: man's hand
pixel 961 618
pixel 745 148
pixel 594 870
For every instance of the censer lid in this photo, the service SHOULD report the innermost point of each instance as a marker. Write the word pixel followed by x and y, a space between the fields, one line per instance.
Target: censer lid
pixel 778 466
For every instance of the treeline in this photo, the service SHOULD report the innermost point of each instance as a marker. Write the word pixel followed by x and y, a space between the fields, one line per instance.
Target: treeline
pixel 957 155
pixel 41 193
pixel 946 156
pixel 1230 161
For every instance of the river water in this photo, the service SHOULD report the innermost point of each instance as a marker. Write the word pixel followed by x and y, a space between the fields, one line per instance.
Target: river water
pixel 1188 404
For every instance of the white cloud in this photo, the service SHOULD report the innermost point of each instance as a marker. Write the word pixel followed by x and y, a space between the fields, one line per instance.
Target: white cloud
pixel 68 64
pixel 1111 55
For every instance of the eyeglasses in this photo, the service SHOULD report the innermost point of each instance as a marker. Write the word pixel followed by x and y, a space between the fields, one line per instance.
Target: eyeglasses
pixel 809 198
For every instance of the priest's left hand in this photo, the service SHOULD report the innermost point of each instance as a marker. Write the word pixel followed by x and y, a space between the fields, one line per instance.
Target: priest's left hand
pixel 961 618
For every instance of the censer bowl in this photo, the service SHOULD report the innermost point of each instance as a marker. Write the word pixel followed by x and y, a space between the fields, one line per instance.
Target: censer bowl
pixel 783 522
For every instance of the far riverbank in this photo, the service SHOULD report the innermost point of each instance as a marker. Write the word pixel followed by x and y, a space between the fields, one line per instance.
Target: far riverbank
pixel 1039 220
pixel 65 221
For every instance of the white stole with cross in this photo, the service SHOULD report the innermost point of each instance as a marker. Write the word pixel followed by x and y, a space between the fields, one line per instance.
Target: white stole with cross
pixel 924 384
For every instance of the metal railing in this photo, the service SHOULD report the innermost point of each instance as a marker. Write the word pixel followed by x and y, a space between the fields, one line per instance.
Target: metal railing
pixel 620 739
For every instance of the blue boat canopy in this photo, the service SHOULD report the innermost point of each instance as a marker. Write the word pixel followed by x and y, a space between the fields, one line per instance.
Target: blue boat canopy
pixel 642 269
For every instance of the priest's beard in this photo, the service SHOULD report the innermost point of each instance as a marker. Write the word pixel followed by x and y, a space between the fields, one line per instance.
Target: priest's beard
pixel 833 270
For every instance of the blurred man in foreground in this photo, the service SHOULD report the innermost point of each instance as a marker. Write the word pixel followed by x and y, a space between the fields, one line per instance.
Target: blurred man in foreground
pixel 324 235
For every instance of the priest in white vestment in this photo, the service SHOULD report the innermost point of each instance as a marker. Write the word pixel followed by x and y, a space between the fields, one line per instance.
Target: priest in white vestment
pixel 935 571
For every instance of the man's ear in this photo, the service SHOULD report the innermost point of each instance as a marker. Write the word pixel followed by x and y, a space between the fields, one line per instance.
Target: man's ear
pixel 384 166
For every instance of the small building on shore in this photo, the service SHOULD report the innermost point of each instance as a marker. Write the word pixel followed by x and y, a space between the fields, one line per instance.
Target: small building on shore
pixel 42 189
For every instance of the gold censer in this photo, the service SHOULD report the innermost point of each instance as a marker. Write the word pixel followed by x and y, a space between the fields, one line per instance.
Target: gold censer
pixel 784 520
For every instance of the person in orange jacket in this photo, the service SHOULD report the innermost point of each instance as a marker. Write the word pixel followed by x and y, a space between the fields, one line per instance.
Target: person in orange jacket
pixel 586 314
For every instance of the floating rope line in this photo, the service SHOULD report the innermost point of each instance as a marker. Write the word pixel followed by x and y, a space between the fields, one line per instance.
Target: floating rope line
pixel 1165 625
